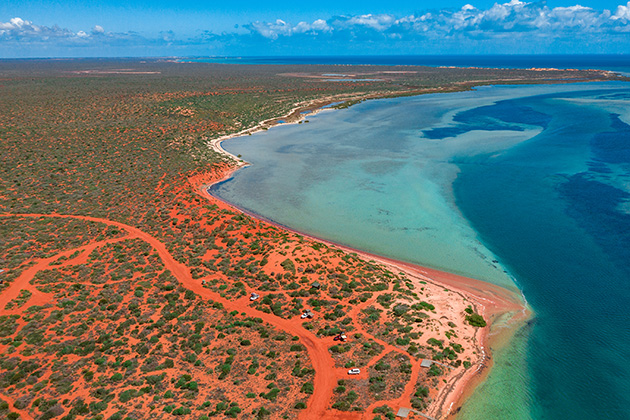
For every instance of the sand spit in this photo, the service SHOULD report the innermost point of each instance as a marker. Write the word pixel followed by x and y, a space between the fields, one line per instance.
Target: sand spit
pixel 451 294
pixel 303 110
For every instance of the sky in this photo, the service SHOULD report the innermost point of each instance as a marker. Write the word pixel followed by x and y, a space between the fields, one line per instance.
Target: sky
pixel 113 28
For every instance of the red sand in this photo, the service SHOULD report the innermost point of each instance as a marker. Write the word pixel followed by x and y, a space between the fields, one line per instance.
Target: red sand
pixel 489 300
pixel 326 375
pixel 23 414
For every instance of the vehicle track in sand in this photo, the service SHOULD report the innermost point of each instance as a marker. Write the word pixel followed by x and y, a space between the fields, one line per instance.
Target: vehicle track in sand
pixel 23 281
pixel 405 398
pixel 326 374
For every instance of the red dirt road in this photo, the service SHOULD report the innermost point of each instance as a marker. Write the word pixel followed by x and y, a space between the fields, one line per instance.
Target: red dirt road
pixel 23 280
pixel 326 375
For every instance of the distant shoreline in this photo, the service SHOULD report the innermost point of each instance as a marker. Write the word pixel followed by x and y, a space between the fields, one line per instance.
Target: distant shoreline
pixel 493 302
pixel 302 110
pixel 493 61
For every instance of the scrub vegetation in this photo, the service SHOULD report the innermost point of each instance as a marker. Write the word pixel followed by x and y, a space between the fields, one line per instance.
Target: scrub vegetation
pixel 125 291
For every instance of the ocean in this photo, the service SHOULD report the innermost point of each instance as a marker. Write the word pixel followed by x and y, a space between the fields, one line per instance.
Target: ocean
pixel 614 62
pixel 527 187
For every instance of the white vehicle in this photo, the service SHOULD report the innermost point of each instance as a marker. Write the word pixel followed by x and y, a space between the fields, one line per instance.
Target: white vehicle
pixel 307 314
pixel 254 296
pixel 354 371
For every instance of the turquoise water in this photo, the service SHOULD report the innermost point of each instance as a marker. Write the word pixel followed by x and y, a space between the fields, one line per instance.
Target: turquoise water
pixel 615 62
pixel 524 186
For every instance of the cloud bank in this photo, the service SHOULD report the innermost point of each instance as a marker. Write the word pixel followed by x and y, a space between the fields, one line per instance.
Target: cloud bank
pixel 514 27
pixel 513 18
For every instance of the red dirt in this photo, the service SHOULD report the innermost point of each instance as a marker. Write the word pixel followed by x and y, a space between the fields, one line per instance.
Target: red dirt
pixel 317 348
pixel 326 374
pixel 23 281
pixel 23 414
pixel 491 301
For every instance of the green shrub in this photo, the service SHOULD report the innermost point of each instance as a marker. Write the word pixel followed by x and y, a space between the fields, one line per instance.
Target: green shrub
pixel 262 413
pixel 181 411
pixel 233 411
pixel 271 395
pixel 307 388
pixel 288 266
pixel 434 370
pixel 128 395
pixel 401 309
pixel 476 320
pixel 435 342
pixel 381 366
pixel 424 305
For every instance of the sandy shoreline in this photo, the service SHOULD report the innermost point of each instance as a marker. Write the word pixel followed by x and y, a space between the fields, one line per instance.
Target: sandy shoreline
pixel 302 110
pixel 298 113
pixel 491 301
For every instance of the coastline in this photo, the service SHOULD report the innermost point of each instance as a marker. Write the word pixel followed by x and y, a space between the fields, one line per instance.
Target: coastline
pixel 545 216
pixel 302 110
pixel 492 302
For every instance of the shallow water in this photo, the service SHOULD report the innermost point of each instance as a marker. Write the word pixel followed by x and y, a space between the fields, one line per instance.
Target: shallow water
pixel 529 182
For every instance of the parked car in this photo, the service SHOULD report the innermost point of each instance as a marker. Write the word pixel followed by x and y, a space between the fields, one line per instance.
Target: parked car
pixel 355 371
pixel 254 296
pixel 307 314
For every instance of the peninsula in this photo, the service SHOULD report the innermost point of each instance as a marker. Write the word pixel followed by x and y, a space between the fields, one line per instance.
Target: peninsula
pixel 129 292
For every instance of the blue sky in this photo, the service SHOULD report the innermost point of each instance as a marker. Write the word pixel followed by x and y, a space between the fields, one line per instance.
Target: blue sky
pixel 45 28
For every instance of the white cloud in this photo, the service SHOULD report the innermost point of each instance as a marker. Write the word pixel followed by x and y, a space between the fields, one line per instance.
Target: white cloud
pixel 517 24
pixel 622 13
pixel 282 28
pixel 376 22
pixel 24 29
pixel 273 30
pixel 515 16
pixel 19 31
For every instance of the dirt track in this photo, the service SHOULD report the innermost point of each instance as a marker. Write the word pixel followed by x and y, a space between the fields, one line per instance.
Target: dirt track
pixel 326 374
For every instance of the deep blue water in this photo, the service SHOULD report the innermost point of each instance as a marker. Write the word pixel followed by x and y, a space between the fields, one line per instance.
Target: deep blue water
pixel 537 177
pixel 566 236
pixel 611 62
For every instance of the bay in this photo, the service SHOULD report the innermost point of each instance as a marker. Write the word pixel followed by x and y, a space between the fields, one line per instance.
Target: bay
pixel 526 187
